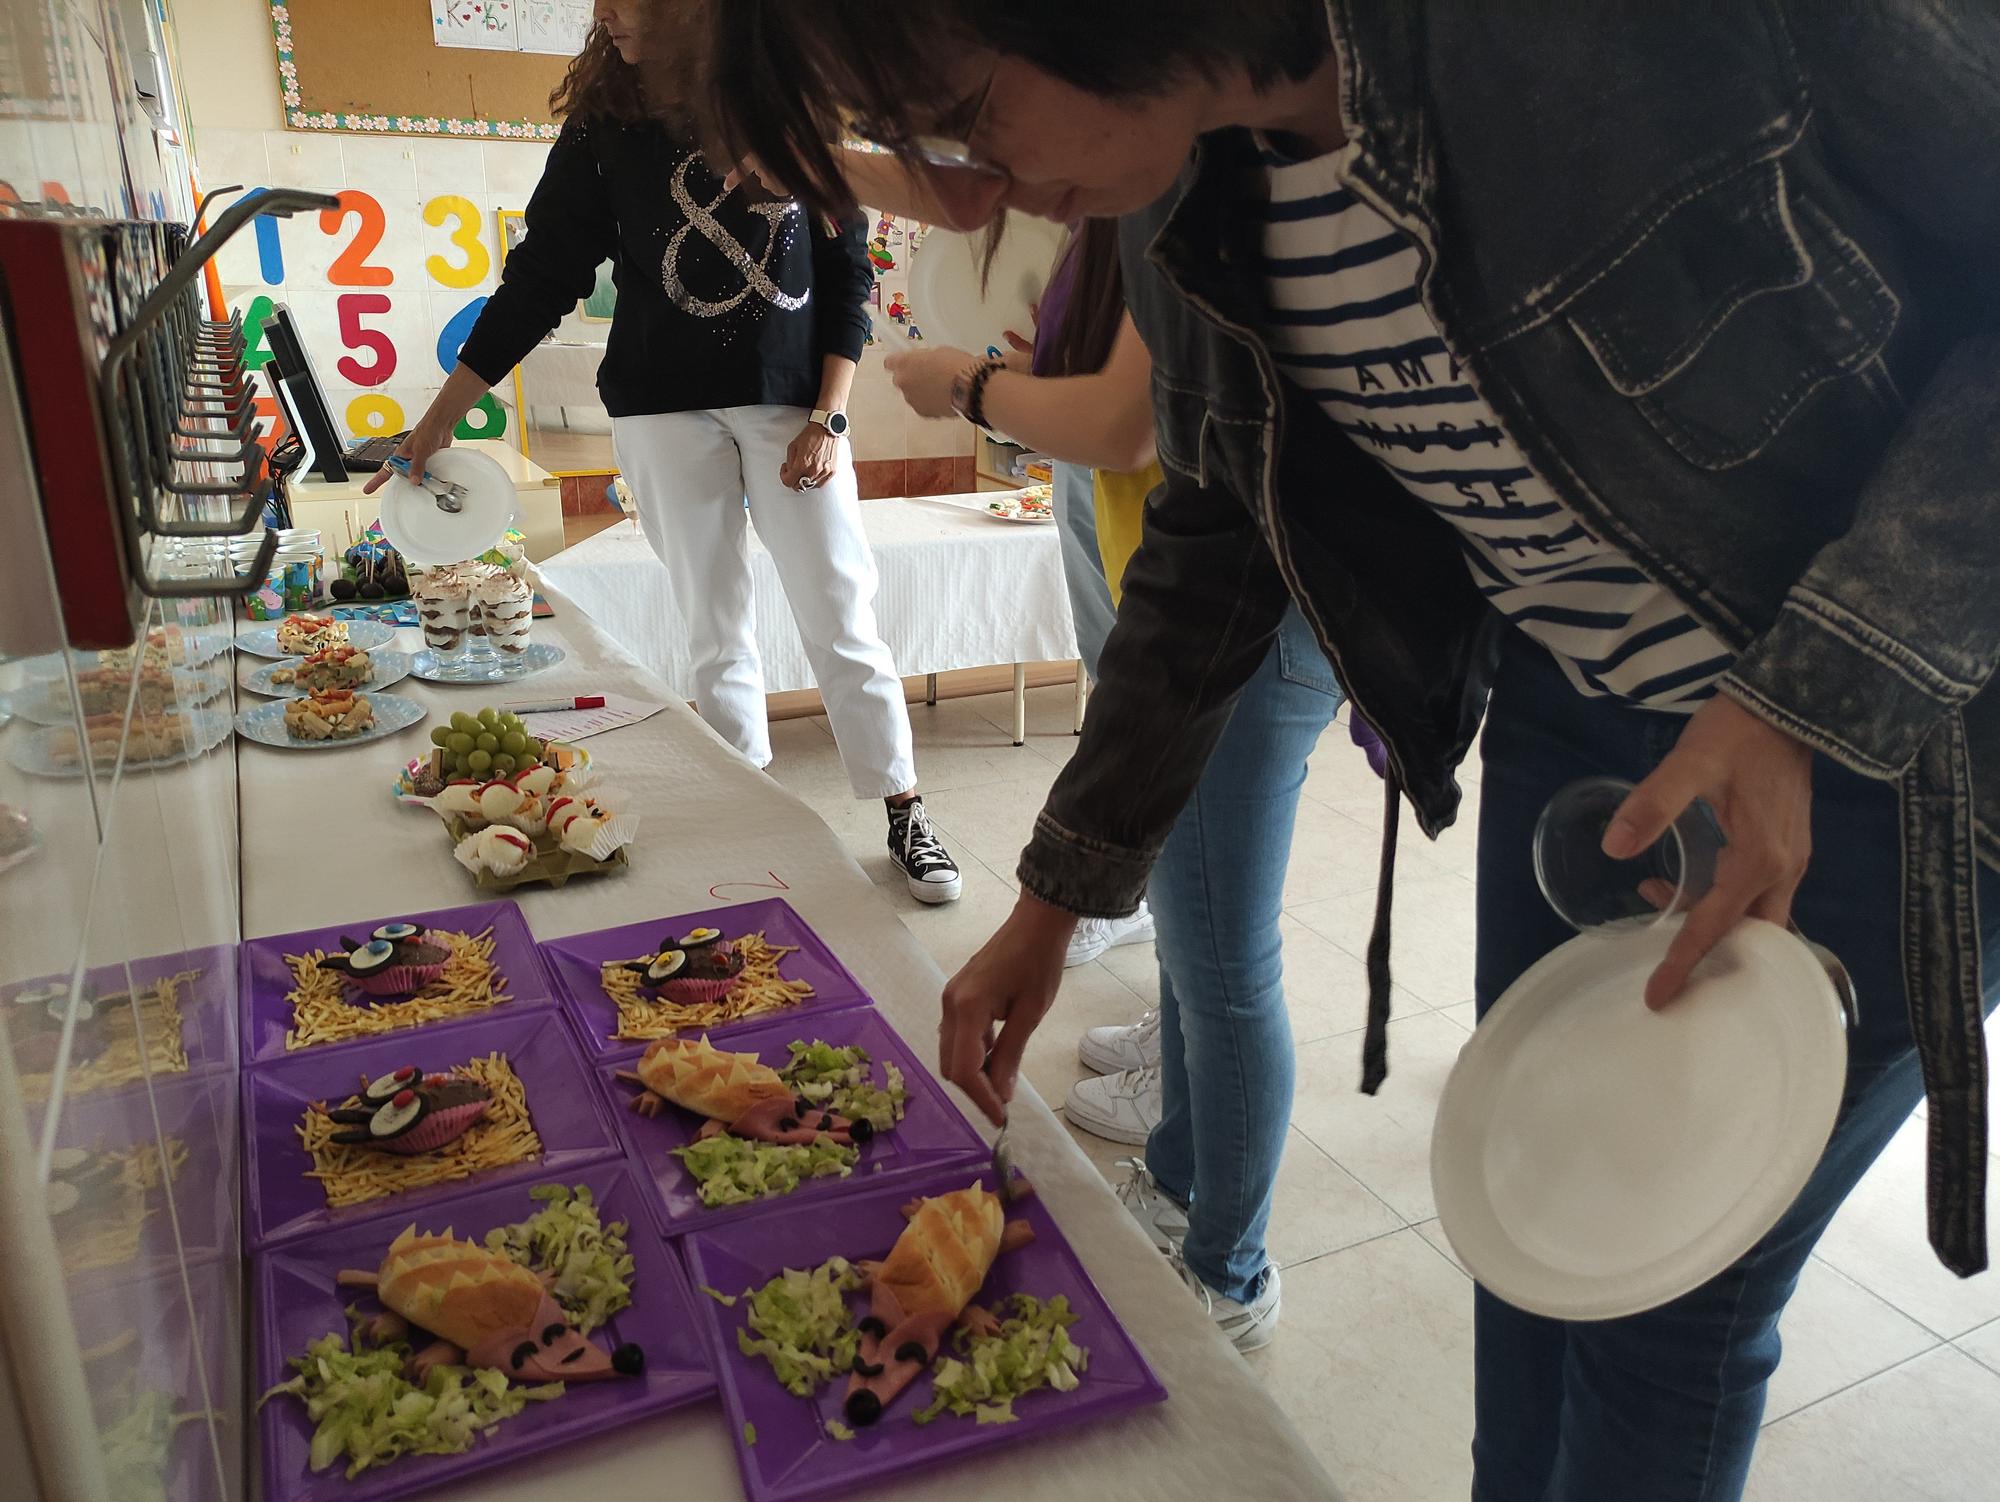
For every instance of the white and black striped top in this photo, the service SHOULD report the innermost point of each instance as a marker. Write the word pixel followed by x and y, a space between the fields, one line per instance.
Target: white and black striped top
pixel 1346 324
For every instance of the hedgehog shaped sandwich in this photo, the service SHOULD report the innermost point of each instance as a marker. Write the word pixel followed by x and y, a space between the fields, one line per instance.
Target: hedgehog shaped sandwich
pixel 484 1311
pixel 736 1093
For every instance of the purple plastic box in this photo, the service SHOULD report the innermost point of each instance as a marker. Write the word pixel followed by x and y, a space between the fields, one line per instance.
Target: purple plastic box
pixel 931 1134
pixel 165 1344
pixel 207 1004
pixel 281 1202
pixel 297 1302
pixel 267 979
pixel 576 962
pixel 194 1110
pixel 794 1457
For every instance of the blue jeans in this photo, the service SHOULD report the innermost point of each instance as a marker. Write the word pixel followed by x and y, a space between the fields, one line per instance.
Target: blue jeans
pixel 1226 1057
pixel 1075 504
pixel 1664 1406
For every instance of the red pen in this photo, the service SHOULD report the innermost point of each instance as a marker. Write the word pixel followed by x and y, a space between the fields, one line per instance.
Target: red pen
pixel 556 706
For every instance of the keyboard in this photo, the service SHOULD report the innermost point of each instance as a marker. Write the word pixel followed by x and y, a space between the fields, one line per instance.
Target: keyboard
pixel 365 455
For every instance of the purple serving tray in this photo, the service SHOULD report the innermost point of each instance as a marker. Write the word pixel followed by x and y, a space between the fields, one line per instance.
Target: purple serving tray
pixel 177 1345
pixel 576 962
pixel 196 1109
pixel 208 1009
pixel 573 1123
pixel 794 1458
pixel 931 1134
pixel 267 979
pixel 297 1302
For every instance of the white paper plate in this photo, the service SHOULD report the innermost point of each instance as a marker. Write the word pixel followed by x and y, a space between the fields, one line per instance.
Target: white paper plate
pixel 1594 1159
pixel 384 668
pixel 949 304
pixel 47 701
pixel 426 535
pixel 1007 508
pixel 265 724
pixel 35 751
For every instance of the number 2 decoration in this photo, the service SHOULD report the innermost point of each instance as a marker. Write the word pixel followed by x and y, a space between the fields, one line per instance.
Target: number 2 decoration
pixel 350 268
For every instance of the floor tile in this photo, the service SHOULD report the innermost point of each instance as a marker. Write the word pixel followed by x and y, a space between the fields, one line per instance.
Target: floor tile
pixel 1983 1345
pixel 1326 988
pixel 1373 1362
pixel 1320 1207
pixel 1921 1432
pixel 992 821
pixel 1836 1333
pixel 1431 940
pixel 1384 1140
pixel 958 747
pixel 1878 1240
pixel 953 931
pixel 1465 1014
pixel 1433 1232
pixel 1090 997
pixel 1333 855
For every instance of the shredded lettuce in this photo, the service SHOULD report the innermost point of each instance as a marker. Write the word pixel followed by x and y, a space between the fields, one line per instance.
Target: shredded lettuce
pixel 839 1431
pixel 734 1170
pixel 837 1079
pixel 593 1270
pixel 366 1412
pixel 749 1433
pixel 800 1323
pixel 136 1448
pixel 1032 1350
pixel 726 1300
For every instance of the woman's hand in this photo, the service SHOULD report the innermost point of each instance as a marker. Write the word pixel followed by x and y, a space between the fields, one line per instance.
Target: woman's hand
pixel 1020 356
pixel 424 440
pixel 809 462
pixel 924 377
pixel 1759 782
pixel 1009 985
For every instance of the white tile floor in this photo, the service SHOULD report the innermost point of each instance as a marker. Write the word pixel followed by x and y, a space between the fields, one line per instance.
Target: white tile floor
pixel 1890 1389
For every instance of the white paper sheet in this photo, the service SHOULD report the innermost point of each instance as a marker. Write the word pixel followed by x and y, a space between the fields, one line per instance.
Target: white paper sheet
pixel 575 724
pixel 489 24
pixel 557 26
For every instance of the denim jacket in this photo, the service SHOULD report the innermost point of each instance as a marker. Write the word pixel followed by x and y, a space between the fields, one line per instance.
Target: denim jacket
pixel 1728 275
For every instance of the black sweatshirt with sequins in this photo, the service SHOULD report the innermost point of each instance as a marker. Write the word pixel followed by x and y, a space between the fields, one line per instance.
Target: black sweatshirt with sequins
pixel 724 299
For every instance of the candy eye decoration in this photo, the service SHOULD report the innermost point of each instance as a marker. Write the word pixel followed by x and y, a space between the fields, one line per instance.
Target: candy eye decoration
pixel 658 969
pixel 701 938
pixel 370 957
pixel 398 1116
pixel 394 932
pixel 389 1085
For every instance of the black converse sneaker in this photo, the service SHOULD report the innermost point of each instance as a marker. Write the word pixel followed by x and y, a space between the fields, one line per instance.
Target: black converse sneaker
pixel 913 845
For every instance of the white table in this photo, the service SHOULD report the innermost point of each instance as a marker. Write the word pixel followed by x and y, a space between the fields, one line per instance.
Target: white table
pixel 1219 1435
pixel 960 589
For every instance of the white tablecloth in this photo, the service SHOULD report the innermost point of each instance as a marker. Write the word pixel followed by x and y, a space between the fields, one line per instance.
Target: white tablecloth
pixel 959 590
pixel 1218 1436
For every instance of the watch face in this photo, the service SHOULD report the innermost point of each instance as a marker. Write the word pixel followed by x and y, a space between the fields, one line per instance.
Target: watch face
pixel 836 423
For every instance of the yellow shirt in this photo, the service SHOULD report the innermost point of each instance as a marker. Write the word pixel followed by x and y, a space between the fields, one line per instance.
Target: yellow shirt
pixel 1119 499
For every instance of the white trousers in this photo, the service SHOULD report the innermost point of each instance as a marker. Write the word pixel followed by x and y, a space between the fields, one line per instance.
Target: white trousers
pixel 690 474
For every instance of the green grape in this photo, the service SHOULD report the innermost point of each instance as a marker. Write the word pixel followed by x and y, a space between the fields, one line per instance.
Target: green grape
pixel 503 764
pixel 539 748
pixel 465 722
pixel 441 736
pixel 489 717
pixel 487 741
pixel 527 763
pixel 510 722
pixel 479 761
pixel 459 742
pixel 513 742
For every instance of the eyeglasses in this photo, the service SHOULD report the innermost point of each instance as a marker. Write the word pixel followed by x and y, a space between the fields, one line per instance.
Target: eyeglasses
pixel 953 151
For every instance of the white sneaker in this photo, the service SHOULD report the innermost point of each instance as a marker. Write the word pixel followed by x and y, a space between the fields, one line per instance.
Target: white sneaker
pixel 1129 1045
pixel 1164 1222
pixel 1123 1107
pixel 1095 935
pixel 1248 1326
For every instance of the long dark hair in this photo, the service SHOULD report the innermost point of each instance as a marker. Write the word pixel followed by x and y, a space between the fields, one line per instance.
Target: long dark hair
pixel 599 85
pixel 782 80
pixel 1095 309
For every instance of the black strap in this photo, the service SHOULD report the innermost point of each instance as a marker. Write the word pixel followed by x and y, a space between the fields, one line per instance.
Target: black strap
pixel 1375 1042
pixel 1941 956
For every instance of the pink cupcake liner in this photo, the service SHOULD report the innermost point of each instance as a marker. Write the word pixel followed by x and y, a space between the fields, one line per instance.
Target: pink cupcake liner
pixel 697 992
pixel 439 1129
pixel 398 980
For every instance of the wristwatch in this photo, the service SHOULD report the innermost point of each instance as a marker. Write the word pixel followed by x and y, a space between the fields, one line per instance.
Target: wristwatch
pixel 834 422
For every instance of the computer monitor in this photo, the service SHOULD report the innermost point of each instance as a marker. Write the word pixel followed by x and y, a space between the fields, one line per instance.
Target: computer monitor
pixel 297 388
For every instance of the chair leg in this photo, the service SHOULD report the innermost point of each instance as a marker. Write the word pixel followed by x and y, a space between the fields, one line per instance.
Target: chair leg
pixel 930 689
pixel 1020 704
pixel 1082 696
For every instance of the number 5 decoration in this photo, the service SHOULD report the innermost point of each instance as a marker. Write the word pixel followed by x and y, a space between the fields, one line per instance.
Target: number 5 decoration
pixel 352 307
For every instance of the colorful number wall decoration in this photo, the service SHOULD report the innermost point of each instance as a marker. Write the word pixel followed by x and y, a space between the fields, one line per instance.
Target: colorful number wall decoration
pixel 368 300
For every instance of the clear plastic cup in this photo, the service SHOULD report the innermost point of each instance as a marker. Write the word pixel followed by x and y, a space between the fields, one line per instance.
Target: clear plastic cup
pixel 1594 893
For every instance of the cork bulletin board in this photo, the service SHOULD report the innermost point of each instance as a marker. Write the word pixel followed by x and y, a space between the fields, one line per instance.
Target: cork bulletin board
pixel 371 65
